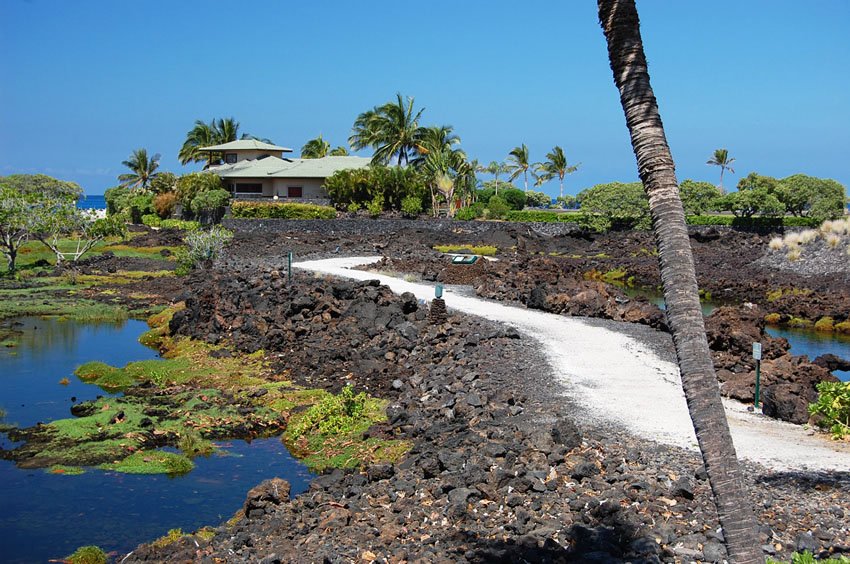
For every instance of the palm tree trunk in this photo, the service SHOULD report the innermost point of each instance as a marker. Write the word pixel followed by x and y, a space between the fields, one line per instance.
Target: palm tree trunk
pixel 619 20
pixel 562 186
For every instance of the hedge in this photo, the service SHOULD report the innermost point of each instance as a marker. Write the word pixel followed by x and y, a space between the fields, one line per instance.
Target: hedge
pixel 541 216
pixel 273 210
pixel 153 220
pixel 753 222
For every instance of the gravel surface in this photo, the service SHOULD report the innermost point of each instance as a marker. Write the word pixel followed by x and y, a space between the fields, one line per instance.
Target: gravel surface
pixel 621 373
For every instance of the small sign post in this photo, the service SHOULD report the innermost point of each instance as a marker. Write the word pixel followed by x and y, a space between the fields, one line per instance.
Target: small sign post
pixel 438 291
pixel 289 267
pixel 757 357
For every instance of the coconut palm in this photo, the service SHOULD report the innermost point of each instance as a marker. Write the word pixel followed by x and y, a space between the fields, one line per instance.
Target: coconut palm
pixel 392 130
pixel 555 165
pixel 216 132
pixel 338 152
pixel 721 158
pixel 620 23
pixel 143 169
pixel 518 164
pixel 315 148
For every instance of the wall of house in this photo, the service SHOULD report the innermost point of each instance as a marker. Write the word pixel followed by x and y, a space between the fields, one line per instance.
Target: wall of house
pixel 245 154
pixel 311 187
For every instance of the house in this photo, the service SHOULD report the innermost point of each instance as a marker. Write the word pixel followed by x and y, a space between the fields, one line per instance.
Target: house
pixel 253 169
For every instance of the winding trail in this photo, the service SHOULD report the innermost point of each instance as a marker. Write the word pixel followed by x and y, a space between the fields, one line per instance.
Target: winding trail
pixel 622 381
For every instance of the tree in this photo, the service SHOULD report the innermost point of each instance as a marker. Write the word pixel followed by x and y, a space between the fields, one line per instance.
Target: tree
pixel 338 152
pixel 495 168
pixel 518 163
pixel 614 204
pixel 216 132
pixel 15 222
pixel 142 169
pixel 392 130
pixel 747 203
pixel 554 165
pixel 620 23
pixel 819 198
pixel 698 197
pixel 721 158
pixel 315 148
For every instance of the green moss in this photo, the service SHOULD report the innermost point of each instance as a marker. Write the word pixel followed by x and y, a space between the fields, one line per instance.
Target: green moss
pixel 152 462
pixel 65 470
pixel 772 318
pixel 484 250
pixel 843 327
pixel 101 374
pixel 799 323
pixel 171 537
pixel 87 555
pixel 825 324
pixel 206 533
pixel 192 444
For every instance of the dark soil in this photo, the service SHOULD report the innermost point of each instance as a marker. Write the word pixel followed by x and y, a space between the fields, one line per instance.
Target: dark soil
pixel 503 468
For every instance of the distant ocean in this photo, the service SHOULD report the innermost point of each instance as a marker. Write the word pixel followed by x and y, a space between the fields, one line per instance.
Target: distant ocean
pixel 92 202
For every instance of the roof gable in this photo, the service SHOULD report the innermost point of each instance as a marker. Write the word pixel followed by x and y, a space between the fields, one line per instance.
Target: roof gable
pixel 245 145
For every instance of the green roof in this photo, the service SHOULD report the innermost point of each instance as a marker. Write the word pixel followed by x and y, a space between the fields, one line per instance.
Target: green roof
pixel 273 167
pixel 245 144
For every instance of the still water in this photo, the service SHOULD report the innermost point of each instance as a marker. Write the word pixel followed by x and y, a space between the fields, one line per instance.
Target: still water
pixel 48 516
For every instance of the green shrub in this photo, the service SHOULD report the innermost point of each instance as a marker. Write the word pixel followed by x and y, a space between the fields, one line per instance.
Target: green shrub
pixel 699 197
pixel 163 183
pixel 752 222
pixel 180 224
pixel 190 185
pixel 513 197
pixel 833 406
pixel 497 208
pixel 87 555
pixel 353 207
pixel 205 246
pixel 615 205
pixel 140 204
pixel 474 211
pixel 411 206
pixel 540 216
pixel 537 199
pixel 275 210
pixel 390 185
pixel 375 207
pixel 807 557
pixel 333 414
pixel 164 204
pixel 117 200
pixel 210 201
pixel 151 220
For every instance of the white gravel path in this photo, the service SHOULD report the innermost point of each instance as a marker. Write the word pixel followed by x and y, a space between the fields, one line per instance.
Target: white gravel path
pixel 620 380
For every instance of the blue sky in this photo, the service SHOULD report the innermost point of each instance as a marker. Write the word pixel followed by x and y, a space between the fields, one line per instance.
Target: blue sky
pixel 84 83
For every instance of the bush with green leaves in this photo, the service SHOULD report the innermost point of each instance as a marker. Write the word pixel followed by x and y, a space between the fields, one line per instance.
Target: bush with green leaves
pixel 497 208
pixel 513 197
pixel 807 557
pixel 87 555
pixel 819 198
pixel 759 223
pixel 333 414
pixel 153 220
pixel 163 182
pixel 203 247
pixel 208 207
pixel 537 199
pixel 833 407
pixel 747 203
pixel 117 200
pixel 411 206
pixel 468 213
pixel 699 197
pixel 390 185
pixel 280 210
pixel 542 216
pixel 615 205
pixel 190 185
pixel 375 207
pixel 567 202
pixel 139 203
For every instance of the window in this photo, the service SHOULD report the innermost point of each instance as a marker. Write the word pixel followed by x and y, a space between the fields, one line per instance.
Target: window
pixel 294 192
pixel 249 188
pixel 230 158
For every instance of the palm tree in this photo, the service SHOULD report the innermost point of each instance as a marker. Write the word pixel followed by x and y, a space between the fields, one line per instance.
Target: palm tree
pixel 392 130
pixel 142 168
pixel 721 159
pixel 518 163
pixel 555 165
pixel 315 148
pixel 444 166
pixel 338 152
pixel 216 132
pixel 620 23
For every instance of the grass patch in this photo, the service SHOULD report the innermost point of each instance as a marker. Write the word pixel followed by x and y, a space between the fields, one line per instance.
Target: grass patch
pixel 152 462
pixel 101 374
pixel 779 293
pixel 483 250
pixel 617 277
pixel 171 537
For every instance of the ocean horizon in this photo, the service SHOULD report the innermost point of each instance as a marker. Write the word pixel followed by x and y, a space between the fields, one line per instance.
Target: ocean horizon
pixel 92 202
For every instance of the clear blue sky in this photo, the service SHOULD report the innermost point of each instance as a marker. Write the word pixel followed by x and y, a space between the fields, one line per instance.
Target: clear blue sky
pixel 84 83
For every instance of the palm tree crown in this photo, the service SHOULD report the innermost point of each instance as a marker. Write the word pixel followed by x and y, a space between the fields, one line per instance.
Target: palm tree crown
pixel 315 148
pixel 216 132
pixel 721 158
pixel 518 163
pixel 555 165
pixel 143 169
pixel 392 130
